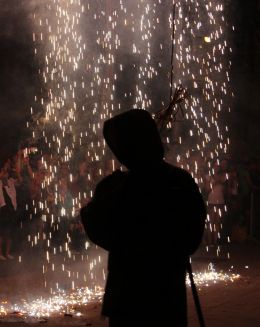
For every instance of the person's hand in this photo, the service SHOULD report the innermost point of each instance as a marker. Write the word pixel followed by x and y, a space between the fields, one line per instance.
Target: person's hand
pixel 25 161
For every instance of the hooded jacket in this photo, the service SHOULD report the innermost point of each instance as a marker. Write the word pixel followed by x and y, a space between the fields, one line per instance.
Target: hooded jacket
pixel 150 219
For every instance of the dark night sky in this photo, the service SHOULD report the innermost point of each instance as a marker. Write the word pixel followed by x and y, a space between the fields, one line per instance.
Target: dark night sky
pixel 245 119
pixel 19 79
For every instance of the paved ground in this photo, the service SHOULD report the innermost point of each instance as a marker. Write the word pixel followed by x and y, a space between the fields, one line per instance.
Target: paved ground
pixel 224 304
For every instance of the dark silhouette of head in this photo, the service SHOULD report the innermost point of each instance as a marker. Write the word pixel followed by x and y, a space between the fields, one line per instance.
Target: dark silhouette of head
pixel 134 139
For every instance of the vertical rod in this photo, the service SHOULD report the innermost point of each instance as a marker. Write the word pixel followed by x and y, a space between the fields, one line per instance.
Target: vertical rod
pixel 172 51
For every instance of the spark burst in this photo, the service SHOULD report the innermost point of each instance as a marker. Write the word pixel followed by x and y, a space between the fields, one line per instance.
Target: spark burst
pixel 102 58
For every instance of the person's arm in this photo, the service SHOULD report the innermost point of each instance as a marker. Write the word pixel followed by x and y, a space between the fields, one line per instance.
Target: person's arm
pixel 29 168
pixel 194 213
pixel 198 213
pixel 99 215
pixel 208 183
pixel 18 171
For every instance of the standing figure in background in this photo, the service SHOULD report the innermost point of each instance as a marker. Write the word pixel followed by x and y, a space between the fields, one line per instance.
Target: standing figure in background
pixel 150 218
pixel 217 192
pixel 8 207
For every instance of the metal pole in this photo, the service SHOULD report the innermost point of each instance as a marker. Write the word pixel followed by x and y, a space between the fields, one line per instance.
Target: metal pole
pixel 172 52
pixel 195 295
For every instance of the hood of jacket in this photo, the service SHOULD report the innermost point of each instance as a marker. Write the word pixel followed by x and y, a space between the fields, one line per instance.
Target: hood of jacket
pixel 134 138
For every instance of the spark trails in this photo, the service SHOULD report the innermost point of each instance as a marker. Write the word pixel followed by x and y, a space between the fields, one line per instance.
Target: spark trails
pixel 100 58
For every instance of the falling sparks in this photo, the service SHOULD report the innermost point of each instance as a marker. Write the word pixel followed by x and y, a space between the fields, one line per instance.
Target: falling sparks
pixel 101 59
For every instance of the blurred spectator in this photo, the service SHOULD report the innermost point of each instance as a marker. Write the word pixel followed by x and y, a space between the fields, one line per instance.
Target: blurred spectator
pixel 217 191
pixel 8 208
pixel 233 217
pixel 77 235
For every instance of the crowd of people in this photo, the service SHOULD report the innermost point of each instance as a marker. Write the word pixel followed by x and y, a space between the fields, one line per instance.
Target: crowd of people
pixel 228 189
pixel 27 195
pixel 30 191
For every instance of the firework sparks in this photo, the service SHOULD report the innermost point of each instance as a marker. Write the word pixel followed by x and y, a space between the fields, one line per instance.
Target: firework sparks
pixel 212 277
pixel 97 60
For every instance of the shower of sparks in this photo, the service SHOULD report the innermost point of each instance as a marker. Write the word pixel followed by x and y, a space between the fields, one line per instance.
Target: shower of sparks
pixel 62 302
pixel 101 58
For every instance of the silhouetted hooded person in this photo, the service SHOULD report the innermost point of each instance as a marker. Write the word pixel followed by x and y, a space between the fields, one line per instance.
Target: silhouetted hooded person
pixel 150 219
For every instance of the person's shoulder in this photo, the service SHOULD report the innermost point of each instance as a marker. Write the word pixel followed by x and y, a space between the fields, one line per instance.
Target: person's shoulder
pixel 178 176
pixel 118 174
pixel 111 180
pixel 177 171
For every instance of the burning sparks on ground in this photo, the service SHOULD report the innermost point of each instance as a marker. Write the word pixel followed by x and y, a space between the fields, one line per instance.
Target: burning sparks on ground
pixel 3 311
pixel 61 303
pixel 212 277
pixel 70 303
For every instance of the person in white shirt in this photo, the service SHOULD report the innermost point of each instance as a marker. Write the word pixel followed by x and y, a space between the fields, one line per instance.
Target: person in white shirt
pixel 217 189
pixel 8 207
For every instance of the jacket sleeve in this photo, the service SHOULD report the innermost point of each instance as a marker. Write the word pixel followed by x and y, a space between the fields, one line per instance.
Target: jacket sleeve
pixel 101 213
pixel 184 204
pixel 195 216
